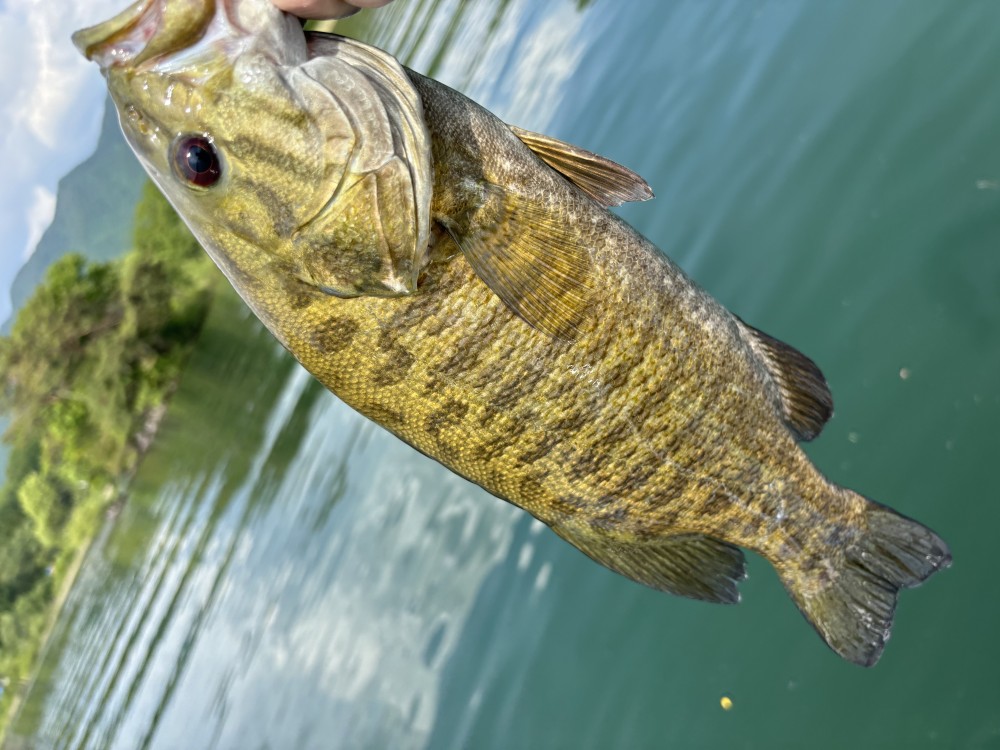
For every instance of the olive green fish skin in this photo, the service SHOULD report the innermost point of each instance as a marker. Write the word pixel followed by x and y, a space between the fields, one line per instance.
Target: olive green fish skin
pixel 659 434
pixel 656 420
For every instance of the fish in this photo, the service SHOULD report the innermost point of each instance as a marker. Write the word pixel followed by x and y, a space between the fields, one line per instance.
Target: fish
pixel 463 283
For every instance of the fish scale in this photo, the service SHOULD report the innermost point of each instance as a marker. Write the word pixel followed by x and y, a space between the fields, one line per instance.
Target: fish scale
pixel 462 283
pixel 593 457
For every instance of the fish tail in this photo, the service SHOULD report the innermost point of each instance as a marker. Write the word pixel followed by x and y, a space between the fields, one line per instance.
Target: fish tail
pixel 849 596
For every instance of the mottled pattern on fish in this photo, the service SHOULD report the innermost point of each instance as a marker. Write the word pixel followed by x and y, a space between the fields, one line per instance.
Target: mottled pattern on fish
pixel 617 402
pixel 650 422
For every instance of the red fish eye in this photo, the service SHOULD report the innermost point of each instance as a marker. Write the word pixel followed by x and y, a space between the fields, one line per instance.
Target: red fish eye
pixel 196 161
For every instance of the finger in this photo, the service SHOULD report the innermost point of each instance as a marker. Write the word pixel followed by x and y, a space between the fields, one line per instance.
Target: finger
pixel 326 8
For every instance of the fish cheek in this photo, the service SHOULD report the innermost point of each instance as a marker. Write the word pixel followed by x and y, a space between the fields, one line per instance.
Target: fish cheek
pixel 361 245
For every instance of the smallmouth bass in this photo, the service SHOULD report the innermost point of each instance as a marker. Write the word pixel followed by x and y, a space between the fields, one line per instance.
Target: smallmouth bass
pixel 462 283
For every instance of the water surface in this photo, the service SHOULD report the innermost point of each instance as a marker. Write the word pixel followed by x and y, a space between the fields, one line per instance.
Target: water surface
pixel 288 575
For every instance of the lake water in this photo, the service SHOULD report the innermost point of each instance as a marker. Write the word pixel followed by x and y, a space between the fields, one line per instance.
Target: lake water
pixel 287 575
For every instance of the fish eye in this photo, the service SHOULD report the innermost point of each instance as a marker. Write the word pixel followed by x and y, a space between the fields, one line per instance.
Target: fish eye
pixel 196 161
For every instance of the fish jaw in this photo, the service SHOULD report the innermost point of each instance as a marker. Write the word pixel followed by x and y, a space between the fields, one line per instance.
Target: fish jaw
pixel 155 48
pixel 171 34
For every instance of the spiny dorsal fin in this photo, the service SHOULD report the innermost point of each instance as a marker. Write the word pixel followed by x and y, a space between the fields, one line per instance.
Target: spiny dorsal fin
pixel 607 182
pixel 691 565
pixel 523 249
pixel 805 397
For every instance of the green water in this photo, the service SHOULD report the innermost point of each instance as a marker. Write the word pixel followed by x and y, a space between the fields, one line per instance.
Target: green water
pixel 287 575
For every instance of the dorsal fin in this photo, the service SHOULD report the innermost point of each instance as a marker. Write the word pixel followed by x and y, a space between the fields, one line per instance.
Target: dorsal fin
pixel 523 250
pixel 607 182
pixel 805 397
pixel 691 565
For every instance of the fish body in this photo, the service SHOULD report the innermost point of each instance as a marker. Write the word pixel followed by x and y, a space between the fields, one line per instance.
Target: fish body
pixel 462 283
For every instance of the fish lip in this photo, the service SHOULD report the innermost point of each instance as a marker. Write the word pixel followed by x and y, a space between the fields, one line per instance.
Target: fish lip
pixel 121 39
pixel 149 31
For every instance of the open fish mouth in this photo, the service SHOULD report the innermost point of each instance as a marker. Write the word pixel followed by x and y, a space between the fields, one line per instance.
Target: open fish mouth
pixel 144 30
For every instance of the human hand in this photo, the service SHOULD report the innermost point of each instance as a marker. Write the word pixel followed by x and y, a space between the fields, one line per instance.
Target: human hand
pixel 327 8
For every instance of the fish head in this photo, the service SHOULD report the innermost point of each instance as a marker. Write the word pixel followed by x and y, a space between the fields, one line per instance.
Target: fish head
pixel 285 162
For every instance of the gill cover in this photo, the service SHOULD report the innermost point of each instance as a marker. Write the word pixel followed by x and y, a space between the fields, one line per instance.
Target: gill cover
pixel 371 236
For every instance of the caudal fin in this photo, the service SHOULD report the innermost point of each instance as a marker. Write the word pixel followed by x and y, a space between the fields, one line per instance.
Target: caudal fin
pixel 850 596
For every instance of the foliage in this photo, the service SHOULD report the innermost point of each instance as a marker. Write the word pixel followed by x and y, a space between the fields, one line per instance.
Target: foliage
pixel 86 369
pixel 46 502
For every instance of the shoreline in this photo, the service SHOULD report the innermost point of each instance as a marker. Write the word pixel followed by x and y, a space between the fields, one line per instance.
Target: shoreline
pixel 24 689
pixel 144 439
pixel 151 304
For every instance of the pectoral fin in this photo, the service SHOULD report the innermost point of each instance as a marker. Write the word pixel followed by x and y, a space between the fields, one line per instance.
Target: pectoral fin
pixel 607 182
pixel 523 250
pixel 691 565
pixel 805 397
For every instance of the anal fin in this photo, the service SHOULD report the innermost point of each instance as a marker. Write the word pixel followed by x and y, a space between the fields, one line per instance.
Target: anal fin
pixel 805 397
pixel 607 182
pixel 690 565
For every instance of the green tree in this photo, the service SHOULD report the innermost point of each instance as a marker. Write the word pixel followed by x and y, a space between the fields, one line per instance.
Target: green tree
pixel 42 357
pixel 22 562
pixel 47 504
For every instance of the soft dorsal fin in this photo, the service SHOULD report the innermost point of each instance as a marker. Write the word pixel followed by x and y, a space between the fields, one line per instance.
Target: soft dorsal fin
pixel 805 397
pixel 607 182
pixel 691 565
pixel 523 250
